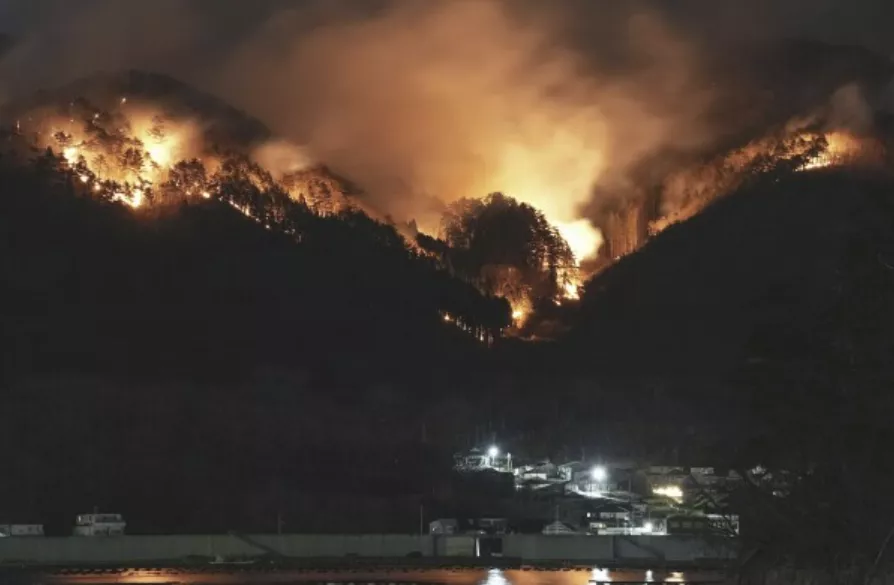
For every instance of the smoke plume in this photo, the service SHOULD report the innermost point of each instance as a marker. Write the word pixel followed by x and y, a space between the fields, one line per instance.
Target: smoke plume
pixel 422 102
pixel 428 102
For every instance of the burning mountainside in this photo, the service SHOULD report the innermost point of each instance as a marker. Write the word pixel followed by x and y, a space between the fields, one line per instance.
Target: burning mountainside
pixel 137 153
pixel 688 191
pixel 148 151
pixel 147 140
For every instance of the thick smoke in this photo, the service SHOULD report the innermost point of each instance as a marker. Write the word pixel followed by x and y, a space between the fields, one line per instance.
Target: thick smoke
pixel 428 102
pixel 423 102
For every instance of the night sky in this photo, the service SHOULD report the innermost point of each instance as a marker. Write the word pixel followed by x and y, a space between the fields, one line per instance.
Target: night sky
pixel 864 22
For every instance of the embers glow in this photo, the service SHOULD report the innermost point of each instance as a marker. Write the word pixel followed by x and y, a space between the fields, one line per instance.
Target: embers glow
pixel 133 153
pixel 160 152
pixel 70 155
pixel 841 148
pixel 571 291
pixel 521 310
pixel 134 200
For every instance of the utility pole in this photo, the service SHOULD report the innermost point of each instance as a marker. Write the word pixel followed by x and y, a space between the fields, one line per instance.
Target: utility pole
pixel 421 519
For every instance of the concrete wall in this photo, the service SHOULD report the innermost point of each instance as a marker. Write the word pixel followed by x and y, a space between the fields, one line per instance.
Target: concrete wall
pixel 149 548
pixel 613 549
pixel 529 548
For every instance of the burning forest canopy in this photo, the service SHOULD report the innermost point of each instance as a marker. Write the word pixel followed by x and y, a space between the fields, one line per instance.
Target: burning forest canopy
pixel 148 141
pixel 133 141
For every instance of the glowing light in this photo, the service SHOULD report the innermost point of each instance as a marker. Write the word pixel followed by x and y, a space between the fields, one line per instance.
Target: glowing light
pixel 494 576
pixel 161 153
pixel 840 147
pixel 583 239
pixel 521 308
pixel 551 163
pixel 70 154
pixel 598 473
pixel 601 575
pixel 493 452
pixel 648 527
pixel 670 491
pixel 134 200
pixel 84 178
pixel 206 194
pixel 570 281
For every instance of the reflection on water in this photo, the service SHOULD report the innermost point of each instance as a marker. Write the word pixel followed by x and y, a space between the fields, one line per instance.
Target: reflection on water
pixel 595 576
pixel 496 577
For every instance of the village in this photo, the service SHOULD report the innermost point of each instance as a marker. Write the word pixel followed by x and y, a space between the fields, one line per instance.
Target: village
pixel 603 497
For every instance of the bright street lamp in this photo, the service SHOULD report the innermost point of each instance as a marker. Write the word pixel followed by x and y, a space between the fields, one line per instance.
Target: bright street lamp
pixel 493 452
pixel 598 473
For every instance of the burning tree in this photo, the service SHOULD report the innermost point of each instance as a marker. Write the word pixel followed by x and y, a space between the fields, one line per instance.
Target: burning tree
pixel 508 248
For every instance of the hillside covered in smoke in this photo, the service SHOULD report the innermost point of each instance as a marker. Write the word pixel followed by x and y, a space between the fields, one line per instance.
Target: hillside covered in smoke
pixel 336 274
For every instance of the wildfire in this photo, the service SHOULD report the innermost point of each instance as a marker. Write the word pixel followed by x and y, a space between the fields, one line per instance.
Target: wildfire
pixel 571 291
pixel 125 152
pixel 583 239
pixel 133 155
pixel 160 152
pixel 521 310
pixel 70 155
pixel 687 192
pixel 134 200
pixel 841 147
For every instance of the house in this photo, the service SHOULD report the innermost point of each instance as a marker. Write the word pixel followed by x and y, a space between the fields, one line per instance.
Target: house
pixel 604 513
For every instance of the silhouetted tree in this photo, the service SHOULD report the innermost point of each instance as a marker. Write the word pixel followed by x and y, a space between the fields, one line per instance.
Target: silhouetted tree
pixel 506 246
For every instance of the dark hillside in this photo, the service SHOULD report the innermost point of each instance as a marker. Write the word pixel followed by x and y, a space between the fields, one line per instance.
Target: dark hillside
pixel 189 346
pixel 687 302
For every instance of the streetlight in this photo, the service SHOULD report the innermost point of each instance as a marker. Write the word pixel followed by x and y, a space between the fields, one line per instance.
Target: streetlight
pixel 598 473
pixel 493 452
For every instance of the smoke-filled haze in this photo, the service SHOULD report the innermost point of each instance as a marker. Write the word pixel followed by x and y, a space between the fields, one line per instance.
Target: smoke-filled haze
pixel 423 102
